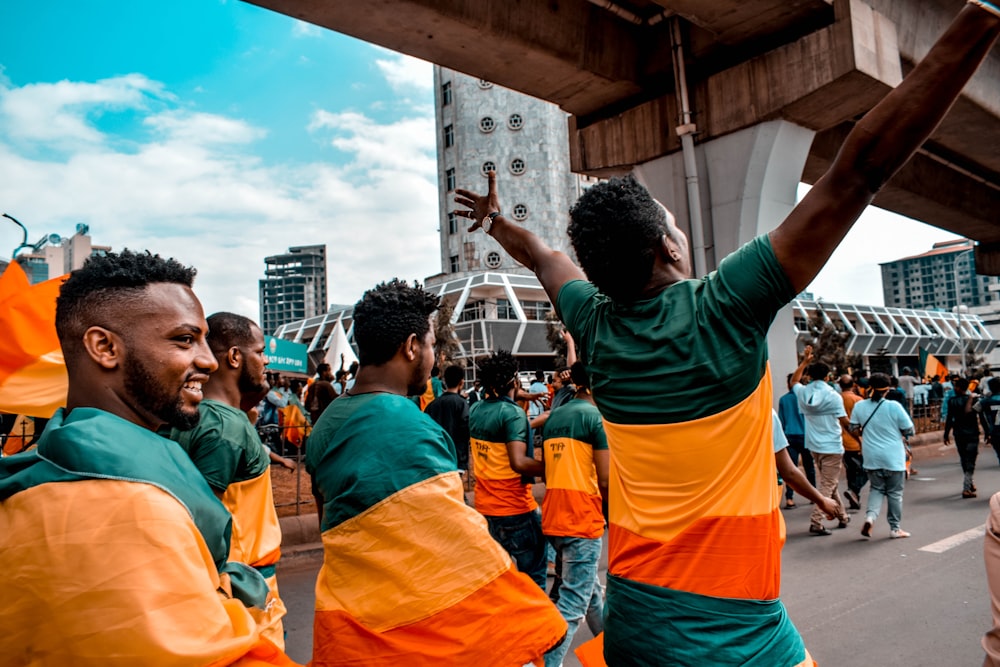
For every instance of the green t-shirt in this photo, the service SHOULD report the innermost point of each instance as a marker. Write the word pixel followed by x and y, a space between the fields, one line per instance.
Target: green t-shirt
pixel 695 349
pixel 224 445
pixel 578 420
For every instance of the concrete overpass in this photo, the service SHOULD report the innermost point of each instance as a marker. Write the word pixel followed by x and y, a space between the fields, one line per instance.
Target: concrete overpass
pixel 610 63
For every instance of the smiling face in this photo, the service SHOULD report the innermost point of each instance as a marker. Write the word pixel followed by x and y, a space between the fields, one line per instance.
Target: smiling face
pixel 166 358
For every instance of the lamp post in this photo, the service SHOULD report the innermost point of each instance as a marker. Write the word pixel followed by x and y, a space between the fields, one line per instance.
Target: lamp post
pixel 959 310
pixel 24 239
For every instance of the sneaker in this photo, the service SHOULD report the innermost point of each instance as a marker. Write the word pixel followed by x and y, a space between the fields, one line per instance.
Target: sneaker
pixel 898 533
pixel 866 529
pixel 853 501
pixel 843 522
pixel 819 530
pixel 789 504
pixel 968 494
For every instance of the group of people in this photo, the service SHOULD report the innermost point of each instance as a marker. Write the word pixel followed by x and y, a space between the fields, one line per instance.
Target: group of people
pixel 118 549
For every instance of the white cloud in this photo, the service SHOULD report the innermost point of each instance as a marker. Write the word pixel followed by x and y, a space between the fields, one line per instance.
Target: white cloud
pixel 302 29
pixel 198 192
pixel 405 73
pixel 57 112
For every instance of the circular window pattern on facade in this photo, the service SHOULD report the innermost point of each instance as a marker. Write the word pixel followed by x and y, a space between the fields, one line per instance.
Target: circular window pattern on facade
pixel 515 122
pixel 493 259
pixel 517 166
pixel 484 84
pixel 487 124
pixel 520 212
pixel 487 167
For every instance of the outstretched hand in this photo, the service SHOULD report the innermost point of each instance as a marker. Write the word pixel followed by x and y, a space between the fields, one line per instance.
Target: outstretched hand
pixel 479 205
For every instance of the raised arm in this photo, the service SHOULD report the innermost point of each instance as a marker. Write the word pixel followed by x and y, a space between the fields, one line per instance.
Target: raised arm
pixel 882 142
pixel 553 268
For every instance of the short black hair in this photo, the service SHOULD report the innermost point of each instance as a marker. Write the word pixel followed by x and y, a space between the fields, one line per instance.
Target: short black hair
pixel 960 384
pixel 322 368
pixel 497 372
pixel 994 385
pixel 615 228
pixel 226 330
pixel 818 371
pixel 100 292
pixel 578 373
pixel 385 317
pixel 453 376
pixel 879 381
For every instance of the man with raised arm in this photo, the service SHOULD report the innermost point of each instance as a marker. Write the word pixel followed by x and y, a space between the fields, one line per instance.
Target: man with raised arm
pixel 695 532
pixel 115 546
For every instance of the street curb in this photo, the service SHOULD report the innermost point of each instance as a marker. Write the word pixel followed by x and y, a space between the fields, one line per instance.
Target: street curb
pixel 300 530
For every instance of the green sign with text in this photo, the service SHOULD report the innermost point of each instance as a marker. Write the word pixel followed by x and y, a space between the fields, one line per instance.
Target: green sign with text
pixel 284 355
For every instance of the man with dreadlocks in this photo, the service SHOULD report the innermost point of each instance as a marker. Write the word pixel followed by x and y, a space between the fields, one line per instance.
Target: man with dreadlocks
pixel 498 430
pixel 695 532
pixel 410 573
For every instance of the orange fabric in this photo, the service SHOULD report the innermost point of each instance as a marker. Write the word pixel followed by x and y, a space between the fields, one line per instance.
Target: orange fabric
pixel 727 557
pixel 591 654
pixel 501 624
pixel 427 396
pixel 572 513
pixel 851 443
pixel 20 435
pixel 294 424
pixel 32 373
pixel 262 653
pixel 503 497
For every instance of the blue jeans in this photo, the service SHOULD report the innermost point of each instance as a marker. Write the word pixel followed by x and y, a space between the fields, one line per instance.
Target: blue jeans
pixel 521 535
pixel 886 484
pixel 580 595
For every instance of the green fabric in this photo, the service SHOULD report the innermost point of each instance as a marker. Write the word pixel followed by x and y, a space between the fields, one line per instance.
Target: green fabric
pixel 498 420
pixel 696 349
pixel 90 444
pixel 648 625
pixel 224 446
pixel 368 447
pixel 578 420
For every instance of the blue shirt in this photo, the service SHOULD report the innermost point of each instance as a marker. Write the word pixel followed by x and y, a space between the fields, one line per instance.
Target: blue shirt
pixel 822 407
pixel 788 413
pixel 882 440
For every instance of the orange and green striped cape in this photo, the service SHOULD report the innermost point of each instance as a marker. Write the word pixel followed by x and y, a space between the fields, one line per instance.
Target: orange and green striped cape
pixel 115 552
pixel 410 573
pixel 695 535
pixel 226 449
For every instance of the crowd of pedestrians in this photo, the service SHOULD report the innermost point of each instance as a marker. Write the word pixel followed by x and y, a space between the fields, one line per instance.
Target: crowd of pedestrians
pixel 124 546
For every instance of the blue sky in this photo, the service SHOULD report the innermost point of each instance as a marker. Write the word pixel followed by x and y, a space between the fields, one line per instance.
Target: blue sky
pixel 219 133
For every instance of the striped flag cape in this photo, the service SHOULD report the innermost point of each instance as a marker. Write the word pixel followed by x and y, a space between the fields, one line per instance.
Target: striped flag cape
pixel 410 573
pixel 931 365
pixel 32 373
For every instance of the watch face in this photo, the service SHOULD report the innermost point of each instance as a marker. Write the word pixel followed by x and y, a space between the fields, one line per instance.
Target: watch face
pixel 487 224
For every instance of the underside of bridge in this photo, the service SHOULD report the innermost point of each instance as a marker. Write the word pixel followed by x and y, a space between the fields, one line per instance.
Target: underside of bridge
pixel 610 64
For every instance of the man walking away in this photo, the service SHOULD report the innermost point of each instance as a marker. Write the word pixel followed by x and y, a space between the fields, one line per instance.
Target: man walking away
pixel 853 461
pixel 826 419
pixel 990 412
pixel 794 430
pixel 963 421
pixel 451 411
pixel 883 426
pixel 576 490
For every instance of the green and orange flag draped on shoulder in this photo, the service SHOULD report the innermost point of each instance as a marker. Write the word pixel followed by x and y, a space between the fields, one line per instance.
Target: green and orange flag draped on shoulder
pixel 410 573
pixel 695 533
pixel 32 373
pixel 115 551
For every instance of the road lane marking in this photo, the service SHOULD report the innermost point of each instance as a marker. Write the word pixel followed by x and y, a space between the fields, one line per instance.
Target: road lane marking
pixel 947 543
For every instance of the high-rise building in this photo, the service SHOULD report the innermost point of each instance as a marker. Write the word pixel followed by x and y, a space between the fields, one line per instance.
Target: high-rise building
pixel 294 286
pixel 54 255
pixel 483 127
pixel 942 278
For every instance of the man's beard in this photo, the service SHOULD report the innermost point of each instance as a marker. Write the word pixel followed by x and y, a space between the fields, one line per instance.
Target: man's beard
pixel 157 400
pixel 249 385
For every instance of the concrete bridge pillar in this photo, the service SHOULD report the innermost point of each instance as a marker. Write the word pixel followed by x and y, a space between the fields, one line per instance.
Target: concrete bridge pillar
pixel 747 182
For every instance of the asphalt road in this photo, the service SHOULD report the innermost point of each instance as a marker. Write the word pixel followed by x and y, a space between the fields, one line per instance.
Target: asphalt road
pixel 917 602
